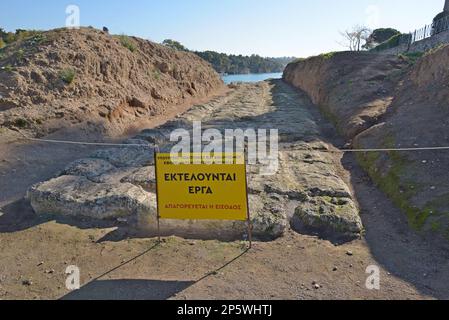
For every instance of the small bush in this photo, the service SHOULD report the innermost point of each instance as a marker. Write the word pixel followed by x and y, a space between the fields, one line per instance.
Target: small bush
pixel 20 54
pixel 38 38
pixel 128 43
pixel 434 49
pixel 157 74
pixel 327 56
pixel 379 36
pixel 2 43
pixel 20 34
pixel 20 123
pixel 411 57
pixel 393 42
pixel 68 75
pixel 8 68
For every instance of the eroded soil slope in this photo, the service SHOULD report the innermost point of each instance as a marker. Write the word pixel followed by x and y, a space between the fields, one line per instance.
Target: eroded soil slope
pixel 353 89
pixel 390 102
pixel 417 181
pixel 89 79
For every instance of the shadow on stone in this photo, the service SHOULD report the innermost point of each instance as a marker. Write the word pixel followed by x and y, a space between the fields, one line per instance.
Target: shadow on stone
pixel 19 216
pixel 334 237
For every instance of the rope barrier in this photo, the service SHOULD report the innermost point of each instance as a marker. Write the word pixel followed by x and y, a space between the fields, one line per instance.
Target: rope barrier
pixel 81 143
pixel 147 146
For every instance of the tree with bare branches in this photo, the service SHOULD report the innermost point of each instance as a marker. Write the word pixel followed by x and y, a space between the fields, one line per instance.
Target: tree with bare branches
pixel 354 38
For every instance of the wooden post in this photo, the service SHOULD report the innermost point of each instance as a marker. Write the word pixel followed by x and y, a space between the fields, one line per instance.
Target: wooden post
pixel 248 222
pixel 158 217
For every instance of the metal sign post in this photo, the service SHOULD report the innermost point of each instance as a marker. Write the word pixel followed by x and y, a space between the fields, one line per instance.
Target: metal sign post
pixel 249 224
pixel 156 151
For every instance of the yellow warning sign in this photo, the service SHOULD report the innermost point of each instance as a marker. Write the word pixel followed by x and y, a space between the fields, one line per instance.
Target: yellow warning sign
pixel 197 190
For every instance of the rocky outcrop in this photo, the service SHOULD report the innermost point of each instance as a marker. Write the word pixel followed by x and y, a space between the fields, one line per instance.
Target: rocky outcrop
pixel 88 78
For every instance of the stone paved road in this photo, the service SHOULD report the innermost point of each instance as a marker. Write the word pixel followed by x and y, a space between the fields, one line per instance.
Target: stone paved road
pixel 305 189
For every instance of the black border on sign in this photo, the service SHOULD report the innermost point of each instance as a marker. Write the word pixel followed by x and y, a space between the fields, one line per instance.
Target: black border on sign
pixel 248 214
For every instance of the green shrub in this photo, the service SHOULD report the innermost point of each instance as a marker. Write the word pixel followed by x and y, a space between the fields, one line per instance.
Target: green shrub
pixel 20 123
pixel 128 43
pixel 157 74
pixel 434 49
pixel 9 38
pixel 68 75
pixel 20 54
pixel 394 41
pixel 174 45
pixel 411 57
pixel 328 55
pixel 8 68
pixel 2 43
pixel 38 38
pixel 299 60
pixel 379 36
pixel 20 34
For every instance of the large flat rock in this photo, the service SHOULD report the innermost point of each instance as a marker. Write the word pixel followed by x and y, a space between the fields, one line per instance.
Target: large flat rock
pixel 78 196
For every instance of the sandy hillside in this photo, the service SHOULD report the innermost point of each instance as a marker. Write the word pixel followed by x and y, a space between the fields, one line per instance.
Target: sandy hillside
pixel 89 79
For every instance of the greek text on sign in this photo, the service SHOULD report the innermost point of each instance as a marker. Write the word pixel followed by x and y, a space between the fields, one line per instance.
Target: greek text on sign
pixel 197 190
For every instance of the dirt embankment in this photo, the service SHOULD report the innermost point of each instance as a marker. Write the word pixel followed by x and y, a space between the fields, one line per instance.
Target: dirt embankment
pixel 353 89
pixel 90 79
pixel 407 107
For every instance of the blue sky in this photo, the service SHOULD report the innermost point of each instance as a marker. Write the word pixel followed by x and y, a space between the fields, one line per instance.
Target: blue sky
pixel 267 27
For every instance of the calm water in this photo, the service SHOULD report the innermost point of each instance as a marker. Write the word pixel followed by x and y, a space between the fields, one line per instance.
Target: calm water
pixel 251 77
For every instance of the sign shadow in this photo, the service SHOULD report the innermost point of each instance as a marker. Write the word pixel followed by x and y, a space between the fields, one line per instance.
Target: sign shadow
pixel 128 289
pixel 138 289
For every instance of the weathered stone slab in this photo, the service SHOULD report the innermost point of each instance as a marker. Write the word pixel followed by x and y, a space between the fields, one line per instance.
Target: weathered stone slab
pixel 144 177
pixel 337 217
pixel 267 216
pixel 88 168
pixel 78 196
